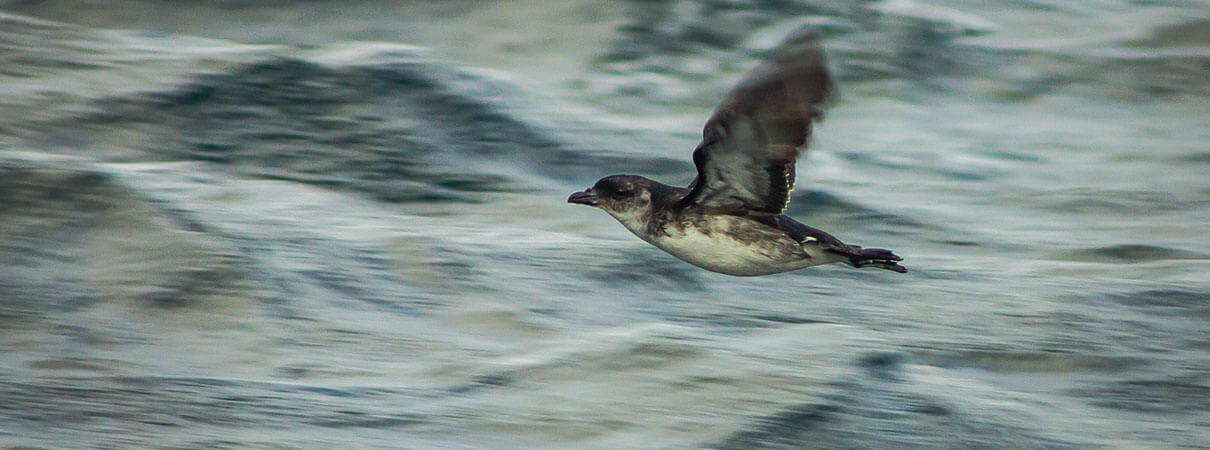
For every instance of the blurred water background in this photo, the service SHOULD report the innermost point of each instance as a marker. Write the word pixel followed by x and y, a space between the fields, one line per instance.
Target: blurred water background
pixel 343 224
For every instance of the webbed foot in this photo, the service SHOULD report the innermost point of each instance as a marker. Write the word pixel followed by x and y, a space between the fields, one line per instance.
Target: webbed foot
pixel 877 257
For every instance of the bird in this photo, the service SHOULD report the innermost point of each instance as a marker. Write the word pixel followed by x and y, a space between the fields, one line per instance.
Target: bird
pixel 731 218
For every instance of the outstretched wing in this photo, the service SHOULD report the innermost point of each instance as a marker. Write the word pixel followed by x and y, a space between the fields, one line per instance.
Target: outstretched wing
pixel 750 144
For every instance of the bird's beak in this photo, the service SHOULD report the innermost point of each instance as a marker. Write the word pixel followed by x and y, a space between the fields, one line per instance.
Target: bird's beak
pixel 583 198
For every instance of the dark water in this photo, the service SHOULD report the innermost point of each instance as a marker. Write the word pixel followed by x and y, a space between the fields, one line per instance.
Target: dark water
pixel 283 224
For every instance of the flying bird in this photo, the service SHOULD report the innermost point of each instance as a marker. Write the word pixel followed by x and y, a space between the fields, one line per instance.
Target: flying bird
pixel 731 219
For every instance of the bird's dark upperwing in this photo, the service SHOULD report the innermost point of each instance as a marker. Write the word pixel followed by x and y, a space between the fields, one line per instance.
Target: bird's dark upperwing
pixel 749 146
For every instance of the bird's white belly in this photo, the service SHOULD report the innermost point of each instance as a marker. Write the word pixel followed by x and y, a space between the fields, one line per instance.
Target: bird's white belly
pixel 719 252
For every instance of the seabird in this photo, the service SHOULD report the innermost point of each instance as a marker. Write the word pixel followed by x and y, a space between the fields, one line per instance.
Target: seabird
pixel 730 219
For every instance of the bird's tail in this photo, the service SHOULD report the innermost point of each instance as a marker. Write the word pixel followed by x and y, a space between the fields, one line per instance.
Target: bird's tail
pixel 873 257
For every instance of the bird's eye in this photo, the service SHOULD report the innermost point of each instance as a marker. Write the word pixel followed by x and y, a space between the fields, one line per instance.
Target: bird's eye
pixel 620 194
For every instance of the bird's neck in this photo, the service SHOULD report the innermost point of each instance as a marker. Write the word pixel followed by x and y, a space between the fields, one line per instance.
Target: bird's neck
pixel 647 223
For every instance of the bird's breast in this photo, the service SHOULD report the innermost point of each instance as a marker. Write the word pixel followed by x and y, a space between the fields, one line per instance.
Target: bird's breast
pixel 731 245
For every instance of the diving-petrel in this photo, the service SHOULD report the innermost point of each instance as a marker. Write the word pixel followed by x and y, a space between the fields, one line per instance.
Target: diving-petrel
pixel 730 219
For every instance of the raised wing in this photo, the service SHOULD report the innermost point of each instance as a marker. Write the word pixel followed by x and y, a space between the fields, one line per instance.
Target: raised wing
pixel 749 146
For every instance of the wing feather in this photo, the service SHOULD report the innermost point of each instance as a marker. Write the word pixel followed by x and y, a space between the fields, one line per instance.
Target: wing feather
pixel 751 143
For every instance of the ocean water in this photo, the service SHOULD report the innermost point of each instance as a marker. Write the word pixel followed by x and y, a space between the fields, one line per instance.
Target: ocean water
pixel 303 224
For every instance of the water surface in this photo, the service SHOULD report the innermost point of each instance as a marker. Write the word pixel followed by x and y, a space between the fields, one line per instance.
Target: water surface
pixel 271 224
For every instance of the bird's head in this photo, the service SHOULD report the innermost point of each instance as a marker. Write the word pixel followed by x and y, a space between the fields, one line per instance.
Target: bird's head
pixel 619 195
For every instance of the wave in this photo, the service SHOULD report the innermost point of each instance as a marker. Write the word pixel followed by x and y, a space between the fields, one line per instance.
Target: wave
pixel 1131 253
pixel 72 235
pixel 386 120
pixel 925 46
